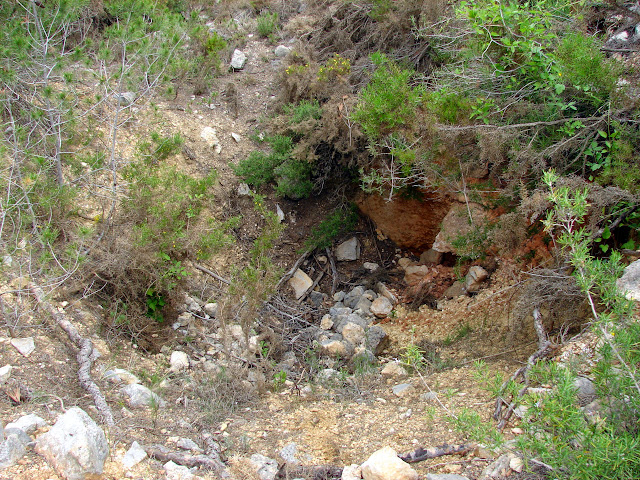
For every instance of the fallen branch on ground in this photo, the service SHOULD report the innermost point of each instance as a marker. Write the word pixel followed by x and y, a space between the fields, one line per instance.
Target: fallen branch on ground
pixel 293 269
pixel 322 472
pixel 422 454
pixel 213 274
pixel 163 454
pixel 85 356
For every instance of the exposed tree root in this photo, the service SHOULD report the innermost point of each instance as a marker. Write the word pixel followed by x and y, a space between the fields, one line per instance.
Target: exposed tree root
pixel 207 462
pixel 422 454
pixel 85 356
pixel 321 472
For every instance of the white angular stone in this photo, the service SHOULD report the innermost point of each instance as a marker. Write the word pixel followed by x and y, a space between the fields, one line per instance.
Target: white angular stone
pixel 236 137
pixel 381 307
pixel 179 361
pixel 126 98
pixel 475 278
pixel 28 423
pixel 75 446
pixel 385 465
pixel 5 374
pixel 243 190
pixel 25 346
pixel 139 396
pixel 351 472
pixel 238 59
pixel 348 251
pixel 211 309
pixel 300 282
pixel 177 472
pixel 13 447
pixel 210 136
pixel 403 390
pixel 134 455
pixel 279 213
pixel 119 375
pixel 266 468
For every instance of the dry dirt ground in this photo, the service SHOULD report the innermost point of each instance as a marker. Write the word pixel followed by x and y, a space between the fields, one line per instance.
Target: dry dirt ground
pixel 340 424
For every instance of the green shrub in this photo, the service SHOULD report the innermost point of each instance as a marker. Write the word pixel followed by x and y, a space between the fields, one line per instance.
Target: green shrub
pixel 305 110
pixel 267 24
pixel 338 222
pixel 293 179
pixel 388 102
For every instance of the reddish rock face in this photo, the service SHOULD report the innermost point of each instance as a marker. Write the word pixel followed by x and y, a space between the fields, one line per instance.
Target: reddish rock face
pixel 410 223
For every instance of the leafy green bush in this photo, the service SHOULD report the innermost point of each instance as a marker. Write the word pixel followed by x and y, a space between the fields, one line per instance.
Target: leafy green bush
pixel 338 222
pixel 388 102
pixel 267 23
pixel 305 110
pixel 292 176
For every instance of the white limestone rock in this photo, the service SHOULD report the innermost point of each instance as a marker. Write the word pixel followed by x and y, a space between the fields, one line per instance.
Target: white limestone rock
pixel 238 59
pixel 300 282
pixel 349 250
pixel 25 346
pixel 179 361
pixel 385 465
pixel 134 455
pixel 381 307
pixel 28 423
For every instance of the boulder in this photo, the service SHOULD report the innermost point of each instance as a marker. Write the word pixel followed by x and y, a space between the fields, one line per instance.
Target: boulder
pixel 353 297
pixel 75 447
pixel 139 396
pixel 238 59
pixel 300 282
pixel 348 251
pixel 475 278
pixel 381 307
pixel 456 224
pixel 385 465
pixel 377 339
pixel 211 309
pixel 13 446
pixel 629 282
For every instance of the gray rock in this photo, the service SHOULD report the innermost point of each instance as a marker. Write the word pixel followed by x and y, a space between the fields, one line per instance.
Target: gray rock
pixel 119 375
pixel 445 476
pixel 243 190
pixel 372 267
pixel 351 472
pixel 475 278
pixel 134 455
pixel 288 454
pixel 238 59
pixel 300 282
pixel 342 320
pixel 403 389
pixel 13 446
pixel 75 446
pixel 497 469
pixel 191 304
pixel 5 374
pixel 431 256
pixel 348 251
pixel 177 472
pixel 211 309
pixel 282 51
pixel 337 310
pixel 629 282
pixel 338 296
pixel 364 305
pixel 266 468
pixel 279 213
pixel 353 297
pixel 126 98
pixel 25 346
pixel 381 307
pixel 317 298
pixel 454 291
pixel 179 361
pixel 139 396
pixel 429 397
pixel 585 390
pixel 377 339
pixel 27 423
pixel 236 137
pixel 327 375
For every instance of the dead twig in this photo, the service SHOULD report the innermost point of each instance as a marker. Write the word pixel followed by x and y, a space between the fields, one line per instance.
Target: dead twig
pixel 334 272
pixel 293 269
pixel 213 274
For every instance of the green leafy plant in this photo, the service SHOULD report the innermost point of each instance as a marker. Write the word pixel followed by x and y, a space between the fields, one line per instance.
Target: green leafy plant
pixel 305 110
pixel 338 222
pixel 267 23
pixel 279 380
pixel 412 357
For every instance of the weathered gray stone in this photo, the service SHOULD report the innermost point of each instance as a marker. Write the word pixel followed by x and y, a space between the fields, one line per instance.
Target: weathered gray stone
pixel 177 472
pixel 288 454
pixel 353 297
pixel 456 224
pixel 25 346
pixel 211 309
pixel 327 375
pixel 27 423
pixel 13 446
pixel 629 282
pixel 385 292
pixel 377 339
pixel 179 361
pixel 337 310
pixel 134 455
pixel 585 390
pixel 363 305
pixel 119 375
pixel 126 98
pixel 371 266
pixel 266 468
pixel 454 291
pixel 75 446
pixel 188 444
pixel 381 307
pixel 334 348
pixel 282 51
pixel 300 282
pixel 403 390
pixel 348 251
pixel 338 296
pixel 5 374
pixel 385 465
pixel 243 190
pixel 139 396
pixel 430 257
pixel 475 278
pixel 238 59
pixel 414 273
pixel 341 320
pixel 497 469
